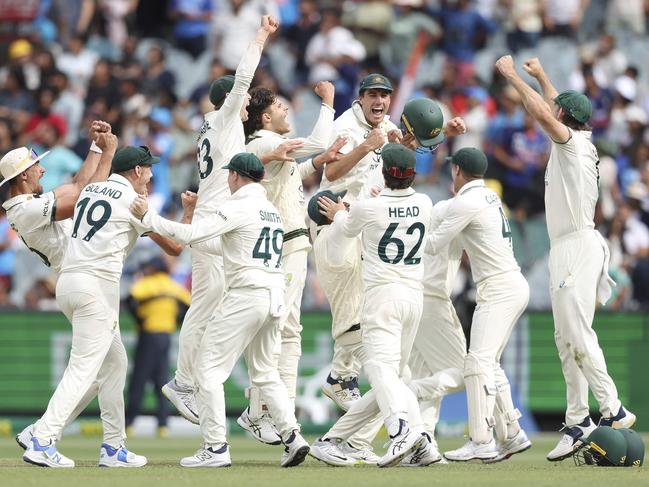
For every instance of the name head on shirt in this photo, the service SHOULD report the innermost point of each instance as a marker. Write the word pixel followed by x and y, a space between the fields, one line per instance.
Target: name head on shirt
pixel 106 191
pixel 269 216
pixel 400 212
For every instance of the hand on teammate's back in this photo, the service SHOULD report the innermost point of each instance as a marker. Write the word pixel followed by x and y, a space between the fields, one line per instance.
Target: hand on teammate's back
pixel 139 207
pixel 326 91
pixel 375 139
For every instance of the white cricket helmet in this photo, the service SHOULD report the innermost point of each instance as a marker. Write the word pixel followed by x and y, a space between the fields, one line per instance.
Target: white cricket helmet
pixel 16 161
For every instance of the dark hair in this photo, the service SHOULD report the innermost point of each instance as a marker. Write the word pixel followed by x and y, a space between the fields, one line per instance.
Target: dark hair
pixel 260 99
pixel 569 121
pixel 397 183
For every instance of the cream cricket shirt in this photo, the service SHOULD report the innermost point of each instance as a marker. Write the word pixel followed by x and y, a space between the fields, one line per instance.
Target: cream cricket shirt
pixel 440 269
pixel 103 229
pixel 283 180
pixel 571 185
pixel 33 218
pixel 251 232
pixel 221 137
pixel 352 124
pixel 393 228
pixel 475 216
pixel 338 264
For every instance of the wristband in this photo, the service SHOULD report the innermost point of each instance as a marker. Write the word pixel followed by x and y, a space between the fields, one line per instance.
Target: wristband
pixel 95 148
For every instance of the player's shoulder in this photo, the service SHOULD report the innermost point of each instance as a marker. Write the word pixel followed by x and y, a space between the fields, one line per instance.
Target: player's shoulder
pixel 30 207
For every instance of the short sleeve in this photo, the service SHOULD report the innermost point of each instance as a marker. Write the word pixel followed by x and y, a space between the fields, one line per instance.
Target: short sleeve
pixel 39 210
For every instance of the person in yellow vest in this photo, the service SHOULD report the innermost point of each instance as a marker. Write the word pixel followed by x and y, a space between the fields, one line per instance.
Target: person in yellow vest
pixel 157 302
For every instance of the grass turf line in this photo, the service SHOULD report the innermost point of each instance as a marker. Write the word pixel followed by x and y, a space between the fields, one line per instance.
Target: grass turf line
pixel 257 464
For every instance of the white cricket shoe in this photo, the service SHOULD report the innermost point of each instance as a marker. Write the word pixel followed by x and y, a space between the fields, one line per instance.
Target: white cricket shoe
pixel 208 457
pixel 425 455
pixel 360 455
pixel 343 392
pixel 45 455
pixel 261 429
pixel 623 419
pixel 183 399
pixel 511 446
pixel 296 449
pixel 329 452
pixel 471 450
pixel 119 457
pixel 25 436
pixel 568 443
pixel 400 447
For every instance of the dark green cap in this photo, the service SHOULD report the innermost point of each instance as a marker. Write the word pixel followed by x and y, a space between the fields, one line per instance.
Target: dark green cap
pixel 247 165
pixel 398 161
pixel 471 160
pixel 314 210
pixel 129 157
pixel 375 81
pixel 576 104
pixel 423 118
pixel 605 447
pixel 221 87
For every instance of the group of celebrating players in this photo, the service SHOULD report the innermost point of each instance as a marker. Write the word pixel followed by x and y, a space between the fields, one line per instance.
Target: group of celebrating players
pixel 385 256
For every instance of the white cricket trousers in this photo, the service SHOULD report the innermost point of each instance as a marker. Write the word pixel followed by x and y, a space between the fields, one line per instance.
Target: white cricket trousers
pixel 241 325
pixel 208 282
pixel 500 300
pixel 437 358
pixel 575 265
pixel 97 361
pixel 295 266
pixel 389 322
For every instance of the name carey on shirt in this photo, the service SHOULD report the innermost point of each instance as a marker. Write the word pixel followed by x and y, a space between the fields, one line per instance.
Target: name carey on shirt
pixel 105 190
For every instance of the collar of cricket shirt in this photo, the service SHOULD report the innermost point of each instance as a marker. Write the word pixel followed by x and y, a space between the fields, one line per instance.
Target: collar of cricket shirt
pixel 267 133
pixel 357 110
pixel 476 183
pixel 397 193
pixel 118 178
pixel 251 189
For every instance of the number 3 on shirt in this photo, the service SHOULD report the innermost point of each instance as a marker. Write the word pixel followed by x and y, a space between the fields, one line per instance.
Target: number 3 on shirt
pixel 95 223
pixel 388 239
pixel 204 159
pixel 264 241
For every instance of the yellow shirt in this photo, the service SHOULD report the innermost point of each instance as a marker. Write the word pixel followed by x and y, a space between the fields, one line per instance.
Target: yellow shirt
pixel 157 298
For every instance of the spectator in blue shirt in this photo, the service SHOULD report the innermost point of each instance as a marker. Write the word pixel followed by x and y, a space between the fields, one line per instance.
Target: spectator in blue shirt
pixel 192 24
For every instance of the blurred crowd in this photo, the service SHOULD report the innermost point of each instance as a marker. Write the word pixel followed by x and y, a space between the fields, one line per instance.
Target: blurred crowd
pixel 145 67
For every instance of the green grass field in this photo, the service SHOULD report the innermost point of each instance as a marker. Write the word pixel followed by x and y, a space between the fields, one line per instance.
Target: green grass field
pixel 255 464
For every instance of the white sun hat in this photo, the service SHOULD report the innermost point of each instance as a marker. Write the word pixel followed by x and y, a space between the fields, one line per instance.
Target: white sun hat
pixel 16 161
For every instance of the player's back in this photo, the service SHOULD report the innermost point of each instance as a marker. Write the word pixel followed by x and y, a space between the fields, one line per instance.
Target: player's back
pixel 33 218
pixel 252 250
pixel 103 230
pixel 487 237
pixel 393 238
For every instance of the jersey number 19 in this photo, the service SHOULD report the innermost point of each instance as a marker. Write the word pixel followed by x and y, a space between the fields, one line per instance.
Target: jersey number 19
pixel 95 223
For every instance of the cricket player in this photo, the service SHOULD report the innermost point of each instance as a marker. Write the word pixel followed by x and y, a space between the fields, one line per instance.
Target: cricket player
pixel 102 235
pixel 247 321
pixel 578 253
pixel 392 228
pixel 220 138
pixel 266 130
pixel 476 218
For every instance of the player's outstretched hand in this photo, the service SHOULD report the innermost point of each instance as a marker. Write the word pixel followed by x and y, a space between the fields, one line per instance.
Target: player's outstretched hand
pixel 329 207
pixel 533 67
pixel 139 207
pixel 106 141
pixel 506 66
pixel 395 136
pixel 332 153
pixel 188 200
pixel 326 91
pixel 454 127
pixel 281 153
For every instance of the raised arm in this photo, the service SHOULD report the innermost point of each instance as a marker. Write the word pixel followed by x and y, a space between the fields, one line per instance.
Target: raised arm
pixel 68 194
pixel 535 105
pixel 322 132
pixel 336 170
pixel 246 68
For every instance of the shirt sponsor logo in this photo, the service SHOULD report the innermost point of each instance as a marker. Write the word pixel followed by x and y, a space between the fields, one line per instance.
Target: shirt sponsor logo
pixel 218 213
